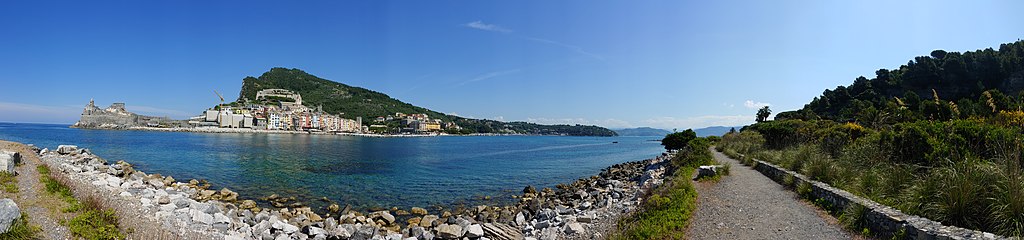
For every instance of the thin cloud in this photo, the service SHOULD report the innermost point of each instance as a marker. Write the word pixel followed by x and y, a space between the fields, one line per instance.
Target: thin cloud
pixel 573 48
pixel 480 25
pixel 486 27
pixel 755 105
pixel 489 75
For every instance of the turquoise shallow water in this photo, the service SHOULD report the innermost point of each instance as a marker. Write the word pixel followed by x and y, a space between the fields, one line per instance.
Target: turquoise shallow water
pixel 364 172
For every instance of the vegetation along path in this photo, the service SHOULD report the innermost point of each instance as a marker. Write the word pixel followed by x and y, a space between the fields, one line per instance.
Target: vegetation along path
pixel 748 205
pixel 43 210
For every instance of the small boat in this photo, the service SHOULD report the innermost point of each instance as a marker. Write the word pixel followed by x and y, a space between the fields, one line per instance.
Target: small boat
pixel 615 142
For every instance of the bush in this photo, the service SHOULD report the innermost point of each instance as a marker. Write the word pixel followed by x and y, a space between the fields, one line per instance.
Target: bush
pixel 695 154
pixel 678 140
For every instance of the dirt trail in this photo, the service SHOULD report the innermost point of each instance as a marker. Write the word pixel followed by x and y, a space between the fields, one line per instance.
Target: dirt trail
pixel 43 209
pixel 748 205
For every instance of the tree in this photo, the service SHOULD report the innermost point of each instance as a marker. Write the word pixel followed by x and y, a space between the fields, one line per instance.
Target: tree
pixel 763 113
pixel 678 140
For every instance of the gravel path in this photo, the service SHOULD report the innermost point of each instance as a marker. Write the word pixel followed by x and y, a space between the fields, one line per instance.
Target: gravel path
pixel 748 205
pixel 41 207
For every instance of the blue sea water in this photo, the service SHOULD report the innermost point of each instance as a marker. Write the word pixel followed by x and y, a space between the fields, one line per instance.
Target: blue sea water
pixel 361 171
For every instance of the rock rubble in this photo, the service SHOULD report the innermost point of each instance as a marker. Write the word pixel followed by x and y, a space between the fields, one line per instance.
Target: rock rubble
pixel 584 209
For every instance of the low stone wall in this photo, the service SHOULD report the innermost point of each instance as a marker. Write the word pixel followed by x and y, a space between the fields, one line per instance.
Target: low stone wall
pixel 884 221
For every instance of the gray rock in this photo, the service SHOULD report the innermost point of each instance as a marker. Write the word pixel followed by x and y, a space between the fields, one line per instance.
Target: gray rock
pixel 546 214
pixel 563 210
pixel 416 231
pixel 383 215
pixel 574 228
pixel 586 218
pixel 448 231
pixel 474 231
pixel 707 171
pixel 340 232
pixel 394 236
pixel 201 217
pixel 364 232
pixel 8 160
pixel 317 231
pixel 520 219
pixel 66 149
pixel 9 212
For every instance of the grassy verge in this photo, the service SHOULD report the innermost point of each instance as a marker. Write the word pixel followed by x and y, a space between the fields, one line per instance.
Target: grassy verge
pixel 962 173
pixel 667 210
pixel 21 229
pixel 8 182
pixel 92 220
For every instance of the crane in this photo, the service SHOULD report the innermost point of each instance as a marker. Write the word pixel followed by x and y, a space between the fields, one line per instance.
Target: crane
pixel 220 107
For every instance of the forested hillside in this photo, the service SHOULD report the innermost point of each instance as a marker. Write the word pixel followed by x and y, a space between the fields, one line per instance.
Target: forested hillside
pixel 355 102
pixel 942 86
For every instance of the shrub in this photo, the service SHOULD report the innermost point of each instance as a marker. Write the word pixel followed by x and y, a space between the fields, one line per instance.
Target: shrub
pixel 854 217
pixel 962 198
pixel 678 140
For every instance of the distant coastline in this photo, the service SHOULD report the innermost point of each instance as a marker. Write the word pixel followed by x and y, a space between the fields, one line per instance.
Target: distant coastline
pixel 264 131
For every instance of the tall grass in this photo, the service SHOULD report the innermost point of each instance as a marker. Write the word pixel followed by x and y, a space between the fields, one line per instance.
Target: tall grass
pixel 960 189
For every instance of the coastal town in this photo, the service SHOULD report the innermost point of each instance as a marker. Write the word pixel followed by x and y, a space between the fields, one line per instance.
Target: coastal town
pixel 272 110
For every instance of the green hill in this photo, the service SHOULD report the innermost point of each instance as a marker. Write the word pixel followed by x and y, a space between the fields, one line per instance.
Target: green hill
pixel 352 102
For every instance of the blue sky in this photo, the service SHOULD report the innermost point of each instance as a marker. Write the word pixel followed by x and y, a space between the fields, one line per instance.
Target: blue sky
pixel 665 64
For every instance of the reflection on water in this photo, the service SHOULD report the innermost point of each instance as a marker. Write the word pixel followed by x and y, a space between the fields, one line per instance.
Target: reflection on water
pixel 360 171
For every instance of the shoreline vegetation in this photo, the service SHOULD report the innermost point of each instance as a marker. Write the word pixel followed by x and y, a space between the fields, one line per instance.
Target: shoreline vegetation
pixel 941 137
pixel 166 208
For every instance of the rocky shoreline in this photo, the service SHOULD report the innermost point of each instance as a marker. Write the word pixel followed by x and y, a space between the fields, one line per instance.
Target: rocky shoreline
pixel 585 209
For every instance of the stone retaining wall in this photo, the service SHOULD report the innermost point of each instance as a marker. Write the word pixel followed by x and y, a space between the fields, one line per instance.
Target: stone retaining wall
pixel 884 221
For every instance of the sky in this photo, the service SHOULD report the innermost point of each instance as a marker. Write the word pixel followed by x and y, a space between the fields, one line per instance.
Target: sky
pixel 617 64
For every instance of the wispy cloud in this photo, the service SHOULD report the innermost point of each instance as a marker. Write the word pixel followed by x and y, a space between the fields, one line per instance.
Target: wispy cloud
pixel 487 27
pixel 573 48
pixel 495 28
pixel 755 105
pixel 489 75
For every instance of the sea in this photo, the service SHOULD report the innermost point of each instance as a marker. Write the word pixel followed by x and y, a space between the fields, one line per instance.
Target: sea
pixel 365 172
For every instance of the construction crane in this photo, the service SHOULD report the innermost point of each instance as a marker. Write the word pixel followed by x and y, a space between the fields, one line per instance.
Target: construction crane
pixel 220 107
pixel 221 99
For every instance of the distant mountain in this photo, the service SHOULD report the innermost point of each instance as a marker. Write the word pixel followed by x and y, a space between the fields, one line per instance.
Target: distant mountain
pixel 355 102
pixel 642 131
pixel 714 131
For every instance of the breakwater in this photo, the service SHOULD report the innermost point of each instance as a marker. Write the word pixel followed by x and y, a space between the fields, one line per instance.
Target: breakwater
pixel 582 209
